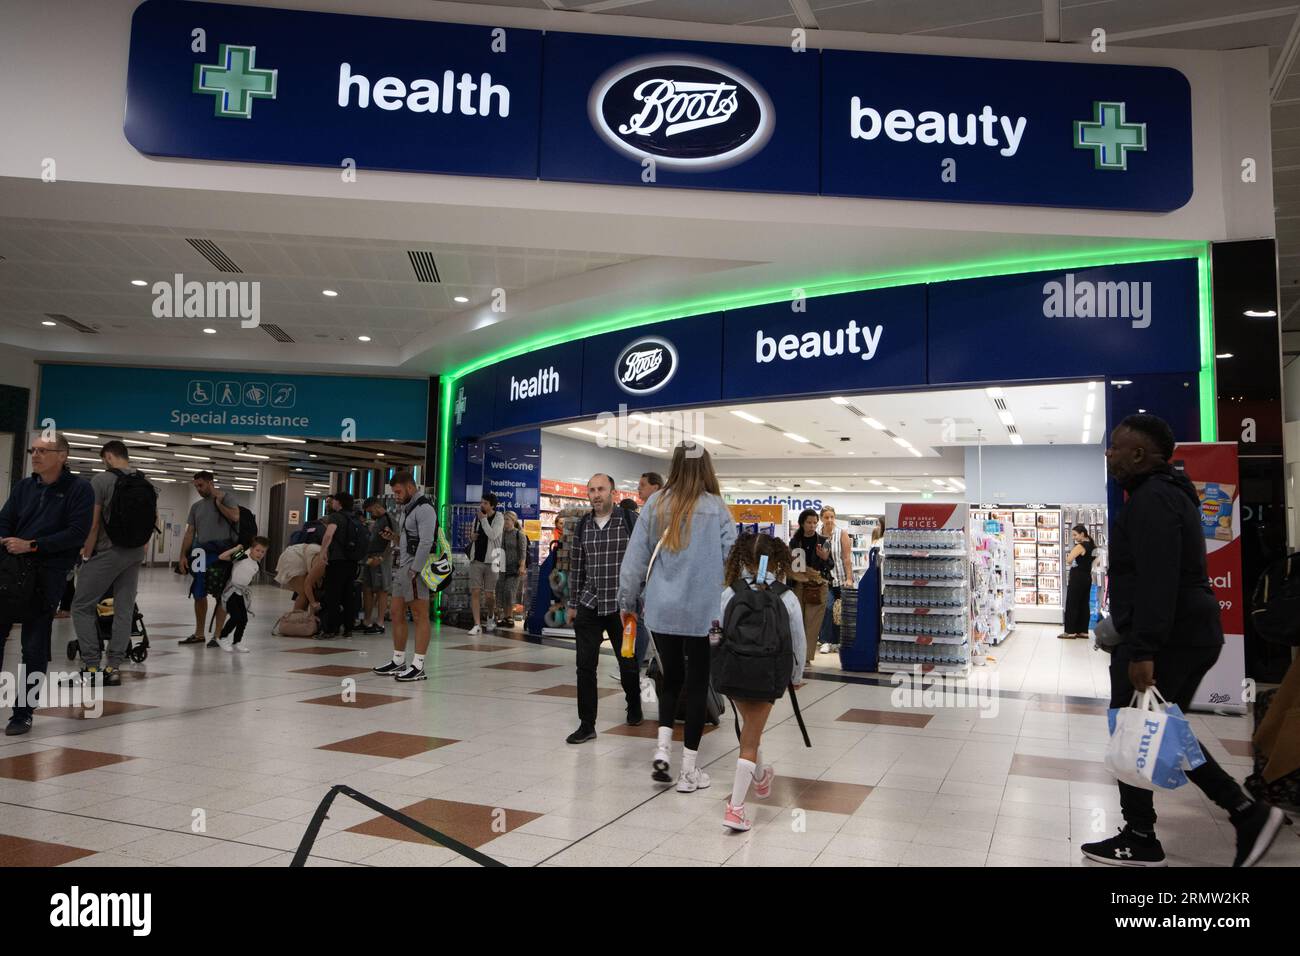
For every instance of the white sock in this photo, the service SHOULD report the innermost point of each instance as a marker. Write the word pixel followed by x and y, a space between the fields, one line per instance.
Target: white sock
pixel 688 760
pixel 418 662
pixel 740 786
pixel 665 738
pixel 399 657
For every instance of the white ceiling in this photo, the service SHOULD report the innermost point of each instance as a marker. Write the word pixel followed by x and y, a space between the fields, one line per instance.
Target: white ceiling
pixel 844 451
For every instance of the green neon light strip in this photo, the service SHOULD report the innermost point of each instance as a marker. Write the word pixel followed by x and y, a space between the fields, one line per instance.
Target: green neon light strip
pixel 1153 252
pixel 1209 392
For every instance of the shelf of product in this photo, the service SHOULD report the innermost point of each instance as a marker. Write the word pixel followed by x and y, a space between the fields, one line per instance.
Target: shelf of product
pixel 554 622
pixel 927 579
pixel 994 572
pixel 861 530
pixel 1093 517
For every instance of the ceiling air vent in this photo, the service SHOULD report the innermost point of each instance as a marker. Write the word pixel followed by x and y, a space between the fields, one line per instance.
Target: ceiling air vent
pixel 71 323
pixel 277 333
pixel 212 252
pixel 426 269
pixel 1000 404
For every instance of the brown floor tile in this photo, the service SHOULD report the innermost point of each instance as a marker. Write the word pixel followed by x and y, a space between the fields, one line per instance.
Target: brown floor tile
pixel 383 743
pixel 332 670
pixel 20 851
pixel 363 701
pixel 1060 768
pixel 488 648
pixel 111 709
pixel 1238 748
pixel 1062 707
pixel 521 666
pixel 470 823
pixel 889 718
pixel 142 675
pixel 649 729
pixel 571 691
pixel 55 763
pixel 320 650
pixel 824 796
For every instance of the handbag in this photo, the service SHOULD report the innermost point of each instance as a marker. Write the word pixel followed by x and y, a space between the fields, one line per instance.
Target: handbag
pixel 19 588
pixel 1107 637
pixel 296 624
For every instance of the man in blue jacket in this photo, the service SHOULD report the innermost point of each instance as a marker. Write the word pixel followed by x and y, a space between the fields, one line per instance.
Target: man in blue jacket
pixel 48 516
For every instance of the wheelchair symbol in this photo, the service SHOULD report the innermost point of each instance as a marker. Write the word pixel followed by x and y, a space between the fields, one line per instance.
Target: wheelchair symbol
pixel 200 393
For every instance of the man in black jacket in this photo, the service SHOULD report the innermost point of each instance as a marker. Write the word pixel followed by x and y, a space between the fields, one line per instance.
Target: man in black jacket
pixel 1166 611
pixel 47 516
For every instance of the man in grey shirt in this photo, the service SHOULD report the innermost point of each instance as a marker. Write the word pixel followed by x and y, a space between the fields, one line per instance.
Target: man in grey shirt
pixel 107 566
pixel 418 524
pixel 211 527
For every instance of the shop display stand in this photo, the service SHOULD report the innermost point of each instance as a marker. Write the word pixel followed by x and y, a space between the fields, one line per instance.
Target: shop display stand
pixel 1036 559
pixel 927 605
pixel 860 528
pixel 558 577
pixel 993 579
pixel 454 600
pixel 1094 518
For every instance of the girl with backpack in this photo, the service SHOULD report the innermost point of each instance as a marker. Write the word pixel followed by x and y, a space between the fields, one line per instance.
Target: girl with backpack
pixel 759 562
pixel 677 550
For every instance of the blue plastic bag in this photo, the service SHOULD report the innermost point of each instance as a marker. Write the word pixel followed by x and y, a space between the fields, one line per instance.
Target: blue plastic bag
pixel 1151 743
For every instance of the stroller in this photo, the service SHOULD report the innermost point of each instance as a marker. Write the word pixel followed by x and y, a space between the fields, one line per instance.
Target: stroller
pixel 104 631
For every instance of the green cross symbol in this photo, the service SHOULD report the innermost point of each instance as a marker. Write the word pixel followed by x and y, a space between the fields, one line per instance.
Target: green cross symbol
pixel 1109 136
pixel 234 82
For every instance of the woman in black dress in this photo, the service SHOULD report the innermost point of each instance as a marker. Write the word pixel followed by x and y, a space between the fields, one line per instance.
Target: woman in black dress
pixel 1079 584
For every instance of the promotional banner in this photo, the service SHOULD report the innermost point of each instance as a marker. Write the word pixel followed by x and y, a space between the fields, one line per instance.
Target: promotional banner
pixel 1212 468
pixel 217 402
pixel 926 517
pixel 858 340
pixel 260 85
pixel 679 113
pixel 959 129
pixel 1112 320
pixel 512 470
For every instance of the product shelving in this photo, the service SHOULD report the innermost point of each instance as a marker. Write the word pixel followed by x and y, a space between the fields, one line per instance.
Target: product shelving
pixel 995 569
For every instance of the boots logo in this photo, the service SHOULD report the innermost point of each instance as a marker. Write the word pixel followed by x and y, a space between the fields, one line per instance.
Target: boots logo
pixel 687 113
pixel 646 366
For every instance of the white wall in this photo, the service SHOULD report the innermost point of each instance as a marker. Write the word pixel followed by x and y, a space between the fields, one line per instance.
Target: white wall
pixel 1042 474
pixel 572 459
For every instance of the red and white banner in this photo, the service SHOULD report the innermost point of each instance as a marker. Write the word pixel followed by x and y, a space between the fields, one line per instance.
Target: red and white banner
pixel 1212 468
pixel 925 517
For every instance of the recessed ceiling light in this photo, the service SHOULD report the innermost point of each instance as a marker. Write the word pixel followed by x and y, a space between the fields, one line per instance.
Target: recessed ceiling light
pixel 76 458
pixel 1224 355
pixel 379 454
pixel 1142 411
pixel 209 331
pixel 659 451
pixel 873 481
pixel 892 488
pixel 139 282
pixel 994 392
pixel 210 441
pixel 329 292
pixel 48 322
pixel 840 401
pixel 938 481
pixel 706 439
pixel 644 419
pixel 142 458
pixel 958 482
pixel 310 455
pixel 363 338
pixel 753 482
pixel 243 487
pixel 193 457
pixel 153 471
pixel 810 481
pixel 79 435
pixel 160 434
pixel 585 431
pixel 1257 314
pixel 799 438
pixel 1122 381
pixel 902 442
pixel 873 423
pixel 915 452
pixel 460 298
pixel 297 469
pixel 836 488
pixel 296 441
pixel 242 468
pixel 244 454
pixel 747 417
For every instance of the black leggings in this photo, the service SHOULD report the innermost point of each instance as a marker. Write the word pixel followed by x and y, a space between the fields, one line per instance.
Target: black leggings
pixel 236 617
pixel 686 664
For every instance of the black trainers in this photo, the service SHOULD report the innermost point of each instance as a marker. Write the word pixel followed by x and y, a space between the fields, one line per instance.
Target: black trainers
pixel 581 735
pixel 213 643
pixel 18 726
pixel 411 673
pixel 1256 829
pixel 1126 849
pixel 389 668
pixel 112 677
pixel 372 629
pixel 634 716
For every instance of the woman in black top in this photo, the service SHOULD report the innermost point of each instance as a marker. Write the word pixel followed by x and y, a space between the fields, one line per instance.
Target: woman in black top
pixel 812 593
pixel 1079 584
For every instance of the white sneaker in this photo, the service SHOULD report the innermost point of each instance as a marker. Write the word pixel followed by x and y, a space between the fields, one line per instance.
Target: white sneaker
pixel 241 649
pixel 661 765
pixel 824 649
pixel 226 644
pixel 697 779
pixel 475 630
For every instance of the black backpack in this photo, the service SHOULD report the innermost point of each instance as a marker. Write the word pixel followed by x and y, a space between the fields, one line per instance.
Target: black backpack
pixel 133 512
pixel 245 528
pixel 356 540
pixel 1275 605
pixel 755 658
pixel 313 532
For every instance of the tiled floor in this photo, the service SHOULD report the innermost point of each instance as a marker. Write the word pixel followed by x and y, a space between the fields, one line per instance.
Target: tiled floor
pixel 224 764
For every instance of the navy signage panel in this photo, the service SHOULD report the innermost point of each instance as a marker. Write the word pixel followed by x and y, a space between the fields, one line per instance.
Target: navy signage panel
pixel 859 340
pixel 217 402
pixel 662 365
pixel 472 404
pixel 512 470
pixel 262 85
pixel 712 116
pixel 958 129
pixel 1112 320
pixel 541 386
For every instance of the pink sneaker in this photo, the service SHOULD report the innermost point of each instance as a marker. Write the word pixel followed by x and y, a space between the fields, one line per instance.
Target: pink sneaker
pixel 763 781
pixel 735 818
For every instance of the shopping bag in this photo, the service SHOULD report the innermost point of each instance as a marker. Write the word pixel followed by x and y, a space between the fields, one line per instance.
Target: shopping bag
pixel 1151 743
pixel 437 569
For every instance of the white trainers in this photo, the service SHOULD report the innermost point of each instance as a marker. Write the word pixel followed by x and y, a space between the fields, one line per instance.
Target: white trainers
pixel 661 765
pixel 763 781
pixel 824 649
pixel 475 630
pixel 697 779
pixel 226 644
pixel 241 649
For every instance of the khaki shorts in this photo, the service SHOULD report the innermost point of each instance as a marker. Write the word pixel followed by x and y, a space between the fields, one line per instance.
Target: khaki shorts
pixel 408 587
pixel 482 576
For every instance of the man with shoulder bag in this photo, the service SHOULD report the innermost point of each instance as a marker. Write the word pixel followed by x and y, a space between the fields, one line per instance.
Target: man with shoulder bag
pixel 42 526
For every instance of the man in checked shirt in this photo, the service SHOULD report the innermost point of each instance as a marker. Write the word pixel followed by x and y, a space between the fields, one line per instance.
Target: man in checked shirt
pixel 599 542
